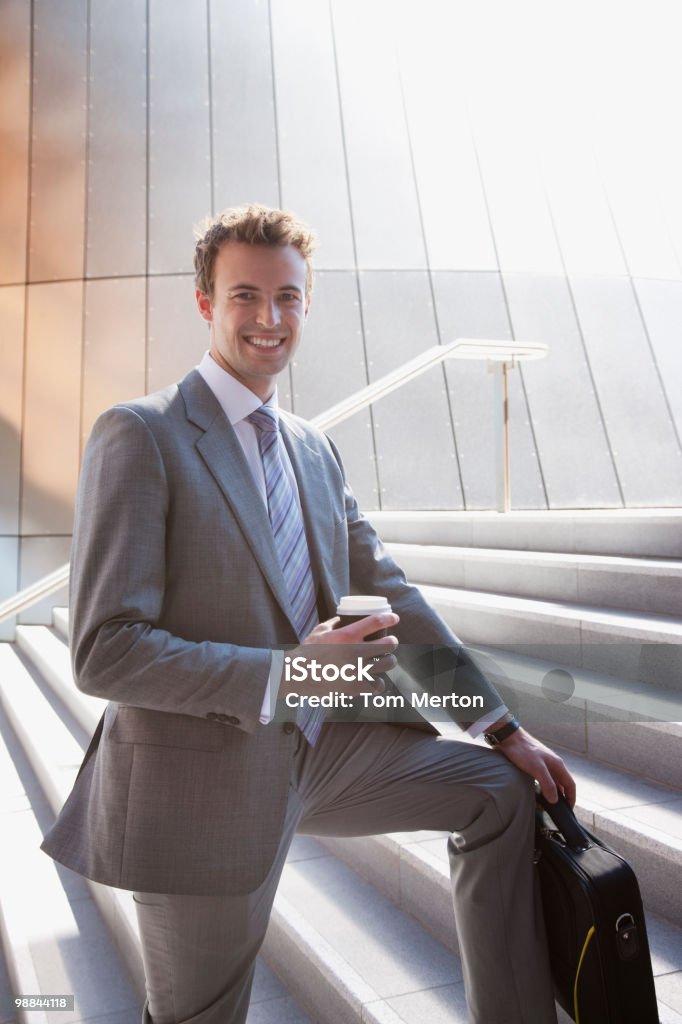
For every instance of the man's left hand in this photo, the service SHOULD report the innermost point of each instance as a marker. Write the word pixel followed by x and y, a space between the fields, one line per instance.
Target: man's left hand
pixel 541 763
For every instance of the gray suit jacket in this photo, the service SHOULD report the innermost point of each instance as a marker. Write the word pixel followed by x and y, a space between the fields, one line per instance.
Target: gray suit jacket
pixel 177 599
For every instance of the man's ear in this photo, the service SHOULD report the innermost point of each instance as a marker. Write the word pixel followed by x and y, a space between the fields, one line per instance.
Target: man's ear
pixel 205 305
pixel 307 304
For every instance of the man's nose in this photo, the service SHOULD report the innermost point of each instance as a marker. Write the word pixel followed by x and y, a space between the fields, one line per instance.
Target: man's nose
pixel 267 313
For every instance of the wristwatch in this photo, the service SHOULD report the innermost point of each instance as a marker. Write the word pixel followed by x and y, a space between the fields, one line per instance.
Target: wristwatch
pixel 509 725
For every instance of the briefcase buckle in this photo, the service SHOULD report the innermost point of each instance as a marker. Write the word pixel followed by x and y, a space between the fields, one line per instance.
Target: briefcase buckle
pixel 627 937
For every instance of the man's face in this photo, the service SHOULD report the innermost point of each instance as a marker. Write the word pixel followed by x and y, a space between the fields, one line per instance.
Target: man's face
pixel 257 312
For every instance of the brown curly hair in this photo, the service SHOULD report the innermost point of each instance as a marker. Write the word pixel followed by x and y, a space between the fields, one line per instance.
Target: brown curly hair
pixel 256 225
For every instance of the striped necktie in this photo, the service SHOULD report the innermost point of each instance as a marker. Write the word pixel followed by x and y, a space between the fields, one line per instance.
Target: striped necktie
pixel 290 543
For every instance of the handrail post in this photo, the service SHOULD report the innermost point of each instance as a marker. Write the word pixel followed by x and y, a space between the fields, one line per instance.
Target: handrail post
pixel 500 371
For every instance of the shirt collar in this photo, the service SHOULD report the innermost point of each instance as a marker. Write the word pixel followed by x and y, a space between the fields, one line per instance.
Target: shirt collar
pixel 236 400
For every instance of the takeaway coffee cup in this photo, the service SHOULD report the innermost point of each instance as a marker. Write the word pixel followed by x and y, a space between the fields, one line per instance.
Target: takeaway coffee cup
pixel 359 606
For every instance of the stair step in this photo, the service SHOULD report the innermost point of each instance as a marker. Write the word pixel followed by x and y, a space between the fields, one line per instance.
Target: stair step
pixel 605 623
pixel 651 832
pixel 646 533
pixel 301 951
pixel 345 937
pixel 91 951
pixel 626 724
pixel 637 584
pixel 620 643
pixel 342 946
pixel 48 652
pixel 53 933
pixel 60 621
pixel 639 819
pixel 54 756
pixel 52 751
pixel 411 869
pixel 8 1013
pixel 653 749
pixel 603 718
pixel 54 765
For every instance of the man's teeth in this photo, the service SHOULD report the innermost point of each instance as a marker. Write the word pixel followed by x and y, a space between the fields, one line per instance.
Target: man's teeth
pixel 265 342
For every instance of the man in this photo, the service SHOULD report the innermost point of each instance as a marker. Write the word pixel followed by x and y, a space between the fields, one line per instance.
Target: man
pixel 211 534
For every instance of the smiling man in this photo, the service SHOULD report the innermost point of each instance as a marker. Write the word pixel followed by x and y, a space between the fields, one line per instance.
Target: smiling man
pixel 256 301
pixel 213 532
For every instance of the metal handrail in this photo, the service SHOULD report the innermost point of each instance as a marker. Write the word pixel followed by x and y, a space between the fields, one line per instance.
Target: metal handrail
pixel 491 350
pixel 29 596
pixel 501 354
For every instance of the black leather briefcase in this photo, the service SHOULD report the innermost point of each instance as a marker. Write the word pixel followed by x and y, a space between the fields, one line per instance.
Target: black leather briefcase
pixel 596 932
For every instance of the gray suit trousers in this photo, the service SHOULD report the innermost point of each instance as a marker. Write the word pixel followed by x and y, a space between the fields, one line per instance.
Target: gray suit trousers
pixel 199 951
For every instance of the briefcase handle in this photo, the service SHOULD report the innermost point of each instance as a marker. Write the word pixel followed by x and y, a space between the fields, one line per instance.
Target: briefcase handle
pixel 565 820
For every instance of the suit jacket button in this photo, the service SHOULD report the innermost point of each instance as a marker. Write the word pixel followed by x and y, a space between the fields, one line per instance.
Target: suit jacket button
pixel 232 719
pixel 289 727
pixel 212 715
pixel 222 718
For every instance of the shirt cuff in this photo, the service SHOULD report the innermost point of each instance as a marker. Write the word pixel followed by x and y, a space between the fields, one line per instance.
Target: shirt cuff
pixel 484 723
pixel 276 666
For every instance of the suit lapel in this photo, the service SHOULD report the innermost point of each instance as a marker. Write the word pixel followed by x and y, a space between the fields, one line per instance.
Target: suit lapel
pixel 222 453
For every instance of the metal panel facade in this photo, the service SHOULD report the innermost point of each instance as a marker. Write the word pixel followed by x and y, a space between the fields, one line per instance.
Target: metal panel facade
pixel 9 579
pixel 451 194
pixel 474 306
pixel 15 91
pixel 311 145
pixel 39 556
pixel 12 301
pixel 177 337
pixel 412 427
pixel 579 205
pixel 57 217
pixel 330 365
pixel 638 211
pixel 638 423
pixel 114 346
pixel 52 410
pixel 117 139
pixel 244 123
pixel 179 137
pixel 572 446
pixel 388 231
pixel 521 222
pixel 661 306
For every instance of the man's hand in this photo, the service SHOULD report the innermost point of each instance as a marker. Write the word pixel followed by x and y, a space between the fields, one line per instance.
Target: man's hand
pixel 345 646
pixel 541 763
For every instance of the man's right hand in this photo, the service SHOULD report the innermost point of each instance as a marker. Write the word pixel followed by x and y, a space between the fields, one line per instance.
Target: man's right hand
pixel 346 645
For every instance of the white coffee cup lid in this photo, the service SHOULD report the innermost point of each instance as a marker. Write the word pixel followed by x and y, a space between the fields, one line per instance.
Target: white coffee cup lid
pixel 362 604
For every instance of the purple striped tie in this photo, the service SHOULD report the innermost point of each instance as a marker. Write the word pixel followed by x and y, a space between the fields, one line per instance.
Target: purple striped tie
pixel 290 542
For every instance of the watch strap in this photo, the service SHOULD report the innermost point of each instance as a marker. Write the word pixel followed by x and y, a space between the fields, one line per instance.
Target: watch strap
pixel 493 737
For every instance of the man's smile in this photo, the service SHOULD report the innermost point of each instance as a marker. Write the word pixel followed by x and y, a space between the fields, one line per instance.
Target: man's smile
pixel 260 341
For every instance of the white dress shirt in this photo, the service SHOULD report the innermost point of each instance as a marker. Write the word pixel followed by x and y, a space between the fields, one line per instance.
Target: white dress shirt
pixel 238 402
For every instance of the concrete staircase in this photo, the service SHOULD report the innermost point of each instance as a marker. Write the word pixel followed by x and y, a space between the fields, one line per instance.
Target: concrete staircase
pixel 362 929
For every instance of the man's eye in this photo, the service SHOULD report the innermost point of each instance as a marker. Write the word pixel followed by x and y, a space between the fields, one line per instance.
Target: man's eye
pixel 243 295
pixel 290 296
